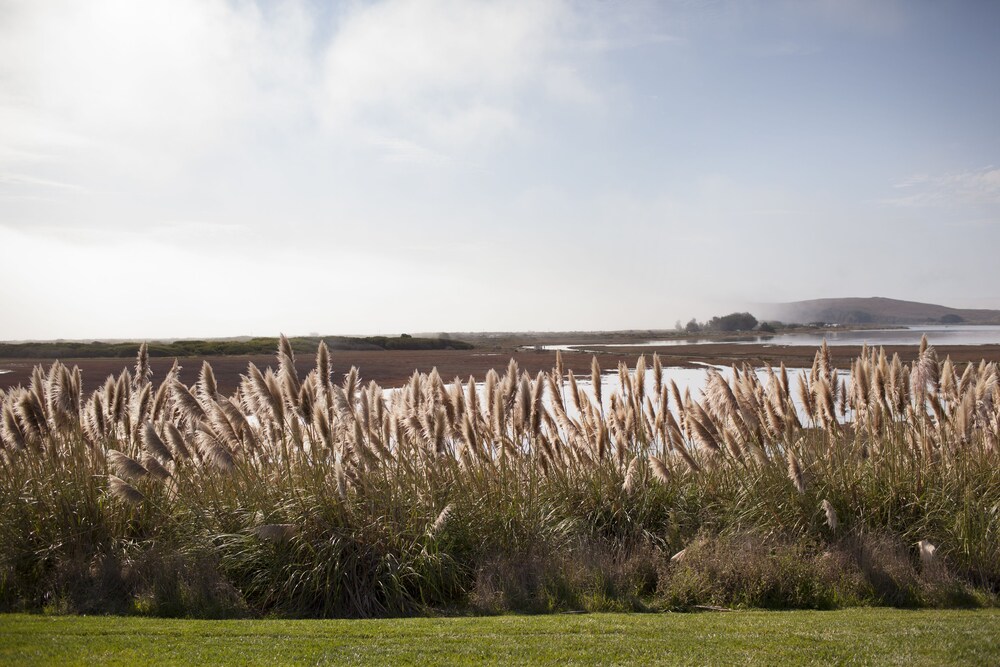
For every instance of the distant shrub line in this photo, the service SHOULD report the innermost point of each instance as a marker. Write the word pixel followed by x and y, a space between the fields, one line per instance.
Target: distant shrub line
pixel 206 348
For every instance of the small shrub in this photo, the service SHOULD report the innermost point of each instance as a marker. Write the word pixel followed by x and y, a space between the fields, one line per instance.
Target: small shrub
pixel 749 570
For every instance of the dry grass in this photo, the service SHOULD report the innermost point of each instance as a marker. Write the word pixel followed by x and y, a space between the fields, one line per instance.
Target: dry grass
pixel 306 496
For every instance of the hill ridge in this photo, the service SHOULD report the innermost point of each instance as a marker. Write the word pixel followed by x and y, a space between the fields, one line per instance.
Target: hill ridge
pixel 876 310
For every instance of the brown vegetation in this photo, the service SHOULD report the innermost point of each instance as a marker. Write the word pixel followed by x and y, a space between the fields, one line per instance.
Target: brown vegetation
pixel 394 368
pixel 298 494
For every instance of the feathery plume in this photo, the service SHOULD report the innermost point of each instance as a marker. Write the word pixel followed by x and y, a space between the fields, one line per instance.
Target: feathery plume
pixel 831 514
pixel 212 449
pixel 660 470
pixel 159 401
pixel 807 397
pixel 208 388
pixel 442 520
pixel 702 435
pixel 142 401
pixel 124 491
pixel 928 552
pixel 574 392
pixel 186 402
pixel 657 374
pixel 287 374
pixel 472 398
pixel 341 476
pixel 126 465
pixel 154 444
pixel 180 447
pixel 595 380
pixel 795 472
pixel 628 485
pixel 142 370
pixel 639 380
pixel 31 415
pixel 323 365
pixel 537 392
pixel 155 468
pixel 10 430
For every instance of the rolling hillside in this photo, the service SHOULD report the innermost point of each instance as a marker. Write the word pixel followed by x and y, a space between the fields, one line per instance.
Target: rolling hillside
pixel 875 310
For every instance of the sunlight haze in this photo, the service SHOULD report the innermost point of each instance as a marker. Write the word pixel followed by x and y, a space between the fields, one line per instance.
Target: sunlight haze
pixel 208 168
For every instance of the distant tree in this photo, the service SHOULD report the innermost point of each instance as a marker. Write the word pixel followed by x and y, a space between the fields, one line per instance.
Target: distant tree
pixel 733 322
pixel 766 327
pixel 692 326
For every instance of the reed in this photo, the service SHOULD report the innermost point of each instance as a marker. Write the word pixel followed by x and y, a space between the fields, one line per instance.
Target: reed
pixel 295 495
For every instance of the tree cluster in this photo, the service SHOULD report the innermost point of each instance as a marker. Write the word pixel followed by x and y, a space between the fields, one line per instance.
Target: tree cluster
pixel 725 323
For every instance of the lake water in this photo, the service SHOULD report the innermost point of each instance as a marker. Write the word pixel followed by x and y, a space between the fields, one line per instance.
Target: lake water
pixel 937 334
pixel 687 379
pixel 693 380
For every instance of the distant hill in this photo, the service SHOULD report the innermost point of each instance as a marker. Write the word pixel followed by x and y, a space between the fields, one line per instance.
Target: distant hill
pixel 875 310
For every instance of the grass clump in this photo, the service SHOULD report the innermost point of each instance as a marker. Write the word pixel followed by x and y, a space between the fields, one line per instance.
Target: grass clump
pixel 297 496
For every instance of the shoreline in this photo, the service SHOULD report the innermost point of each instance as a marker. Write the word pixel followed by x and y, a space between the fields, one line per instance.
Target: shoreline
pixel 393 368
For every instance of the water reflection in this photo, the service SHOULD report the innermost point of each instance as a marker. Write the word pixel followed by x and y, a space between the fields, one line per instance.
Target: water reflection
pixel 937 334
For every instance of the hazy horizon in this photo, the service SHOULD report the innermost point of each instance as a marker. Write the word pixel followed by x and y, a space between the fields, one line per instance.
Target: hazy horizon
pixel 763 312
pixel 186 169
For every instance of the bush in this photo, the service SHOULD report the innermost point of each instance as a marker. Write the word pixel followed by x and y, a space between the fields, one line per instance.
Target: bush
pixel 733 322
pixel 339 500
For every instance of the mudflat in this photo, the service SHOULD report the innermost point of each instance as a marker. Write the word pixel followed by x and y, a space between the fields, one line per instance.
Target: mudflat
pixel 392 368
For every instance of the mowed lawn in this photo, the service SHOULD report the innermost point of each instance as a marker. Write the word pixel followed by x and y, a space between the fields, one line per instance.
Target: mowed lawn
pixel 857 636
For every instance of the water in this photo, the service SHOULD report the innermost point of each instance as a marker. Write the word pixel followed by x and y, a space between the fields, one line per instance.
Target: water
pixel 694 380
pixel 687 379
pixel 937 334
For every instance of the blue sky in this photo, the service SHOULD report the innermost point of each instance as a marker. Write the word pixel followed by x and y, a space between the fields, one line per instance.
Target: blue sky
pixel 215 168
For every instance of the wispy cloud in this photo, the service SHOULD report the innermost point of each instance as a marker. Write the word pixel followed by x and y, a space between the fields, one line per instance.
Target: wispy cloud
pixel 446 74
pixel 156 82
pixel 404 151
pixel 862 16
pixel 314 140
pixel 153 88
pixel 980 187
pixel 27 181
pixel 788 49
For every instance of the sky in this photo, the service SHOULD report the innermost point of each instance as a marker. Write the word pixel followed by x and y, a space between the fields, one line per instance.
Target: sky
pixel 196 168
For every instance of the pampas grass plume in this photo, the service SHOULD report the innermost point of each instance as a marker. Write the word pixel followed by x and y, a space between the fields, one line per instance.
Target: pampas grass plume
pixel 928 552
pixel 628 485
pixel 124 491
pixel 831 514
pixel 441 521
pixel 126 465
pixel 795 472
pixel 660 470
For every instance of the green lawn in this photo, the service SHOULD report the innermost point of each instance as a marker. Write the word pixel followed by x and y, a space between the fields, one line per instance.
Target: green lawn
pixel 857 636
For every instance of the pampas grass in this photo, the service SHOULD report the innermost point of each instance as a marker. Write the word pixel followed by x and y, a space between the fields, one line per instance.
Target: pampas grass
pixel 831 515
pixel 126 466
pixel 122 490
pixel 795 472
pixel 314 498
pixel 659 469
